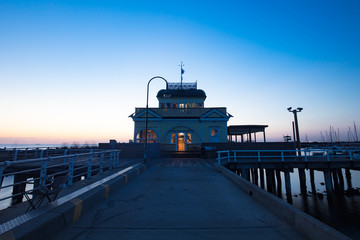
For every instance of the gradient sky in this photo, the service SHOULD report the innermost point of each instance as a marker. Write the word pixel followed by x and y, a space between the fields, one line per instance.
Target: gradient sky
pixel 73 71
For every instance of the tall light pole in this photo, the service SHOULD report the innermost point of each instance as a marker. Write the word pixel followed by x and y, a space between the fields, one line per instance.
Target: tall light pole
pixel 147 113
pixel 295 111
pixel 302 176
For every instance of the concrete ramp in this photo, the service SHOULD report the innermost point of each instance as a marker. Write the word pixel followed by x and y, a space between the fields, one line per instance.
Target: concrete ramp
pixel 179 199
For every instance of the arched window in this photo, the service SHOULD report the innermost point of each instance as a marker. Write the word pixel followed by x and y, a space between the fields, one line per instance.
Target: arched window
pixel 151 137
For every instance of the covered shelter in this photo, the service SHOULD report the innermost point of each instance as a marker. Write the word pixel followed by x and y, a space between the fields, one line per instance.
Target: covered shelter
pixel 240 130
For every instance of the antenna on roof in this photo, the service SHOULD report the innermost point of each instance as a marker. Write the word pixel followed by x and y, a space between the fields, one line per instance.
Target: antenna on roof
pixel 182 72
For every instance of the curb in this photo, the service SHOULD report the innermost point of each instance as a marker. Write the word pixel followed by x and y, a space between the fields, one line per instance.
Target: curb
pixel 306 224
pixel 49 222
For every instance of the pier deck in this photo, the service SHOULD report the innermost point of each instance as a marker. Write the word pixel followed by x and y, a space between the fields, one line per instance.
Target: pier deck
pixel 180 199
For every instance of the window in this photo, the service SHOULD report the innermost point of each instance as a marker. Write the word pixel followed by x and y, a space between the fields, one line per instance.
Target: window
pixel 173 138
pixel 174 105
pixel 188 105
pixel 214 132
pixel 188 138
pixel 168 105
pixel 181 105
pixel 151 136
pixel 201 105
pixel 214 135
pixel 162 105
pixel 194 105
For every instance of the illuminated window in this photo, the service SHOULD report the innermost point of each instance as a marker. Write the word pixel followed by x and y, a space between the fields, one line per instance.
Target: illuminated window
pixel 151 137
pixel 194 105
pixel 188 138
pixel 214 135
pixel 173 138
pixel 188 105
pixel 214 132
pixel 181 105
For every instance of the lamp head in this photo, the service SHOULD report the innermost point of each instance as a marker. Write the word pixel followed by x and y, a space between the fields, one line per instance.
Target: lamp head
pixel 299 109
pixel 289 109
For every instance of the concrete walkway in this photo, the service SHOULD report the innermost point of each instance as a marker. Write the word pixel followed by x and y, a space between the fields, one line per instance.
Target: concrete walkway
pixel 179 199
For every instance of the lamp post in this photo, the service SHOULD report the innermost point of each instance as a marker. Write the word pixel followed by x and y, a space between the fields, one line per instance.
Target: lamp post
pixel 302 176
pixel 295 111
pixel 147 114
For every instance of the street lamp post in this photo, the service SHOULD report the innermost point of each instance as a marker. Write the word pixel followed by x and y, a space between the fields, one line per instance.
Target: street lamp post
pixel 295 111
pixel 147 114
pixel 302 176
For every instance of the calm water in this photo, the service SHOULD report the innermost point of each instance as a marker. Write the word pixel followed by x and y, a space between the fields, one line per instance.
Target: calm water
pixel 342 212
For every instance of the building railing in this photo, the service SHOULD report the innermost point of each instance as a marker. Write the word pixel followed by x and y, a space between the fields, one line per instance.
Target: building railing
pixel 32 173
pixel 304 155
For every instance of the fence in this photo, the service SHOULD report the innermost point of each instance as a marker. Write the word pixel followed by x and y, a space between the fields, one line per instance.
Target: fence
pixel 38 172
pixel 303 155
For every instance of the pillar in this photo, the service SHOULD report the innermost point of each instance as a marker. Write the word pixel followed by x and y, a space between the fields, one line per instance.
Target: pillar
pixel 288 186
pixel 328 182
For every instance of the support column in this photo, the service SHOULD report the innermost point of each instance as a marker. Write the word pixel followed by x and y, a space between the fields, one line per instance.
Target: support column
pixel 335 180
pixel 288 186
pixel 278 183
pixel 302 179
pixel 341 179
pixel 328 183
pixel 348 179
pixel 262 180
pixel 312 182
pixel 256 176
pixel 264 135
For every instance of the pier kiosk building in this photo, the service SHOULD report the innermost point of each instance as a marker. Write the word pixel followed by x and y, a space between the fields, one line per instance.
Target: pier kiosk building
pixel 181 122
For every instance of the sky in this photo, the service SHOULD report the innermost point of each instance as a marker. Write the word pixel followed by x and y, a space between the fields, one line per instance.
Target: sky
pixel 73 71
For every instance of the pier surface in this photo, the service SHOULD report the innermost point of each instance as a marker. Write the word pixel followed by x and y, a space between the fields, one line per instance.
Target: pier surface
pixel 179 199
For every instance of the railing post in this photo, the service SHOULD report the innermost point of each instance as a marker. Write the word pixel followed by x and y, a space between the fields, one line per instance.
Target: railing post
pixel 101 163
pixel 305 152
pixel 235 156
pixel 327 155
pixel 351 155
pixel 66 150
pixel 16 154
pixel 219 160
pixel 89 165
pixel 71 170
pixel 282 157
pixel 114 159
pixel 118 158
pixel 259 157
pixel 43 170
pixel 42 153
pixel 110 160
pixel 228 156
pixel 2 168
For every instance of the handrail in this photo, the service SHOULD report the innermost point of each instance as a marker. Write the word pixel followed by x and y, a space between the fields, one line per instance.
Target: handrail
pixel 305 155
pixel 36 171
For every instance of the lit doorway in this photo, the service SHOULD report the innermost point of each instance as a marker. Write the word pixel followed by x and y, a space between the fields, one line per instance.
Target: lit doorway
pixel 181 142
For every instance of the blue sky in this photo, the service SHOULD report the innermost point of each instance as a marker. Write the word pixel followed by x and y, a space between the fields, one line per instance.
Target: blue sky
pixel 73 71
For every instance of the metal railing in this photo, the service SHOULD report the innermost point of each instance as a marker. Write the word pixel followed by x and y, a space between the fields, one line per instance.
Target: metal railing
pixel 32 173
pixel 14 154
pixel 306 155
